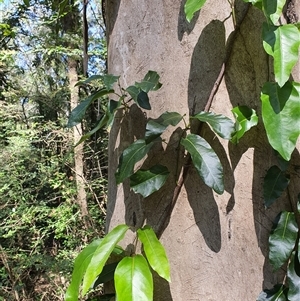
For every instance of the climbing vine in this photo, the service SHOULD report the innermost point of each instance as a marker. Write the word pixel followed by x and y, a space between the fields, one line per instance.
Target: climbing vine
pixel 281 118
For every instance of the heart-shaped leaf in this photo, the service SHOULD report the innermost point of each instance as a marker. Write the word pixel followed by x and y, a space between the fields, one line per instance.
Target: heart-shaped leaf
pixel 146 182
pixel 282 239
pixel 205 161
pixel 133 279
pixel 101 255
pixel 282 43
pixel 245 118
pixel 155 252
pixel 275 182
pixel 273 9
pixel 192 6
pixel 221 124
pixel 281 116
pixel 130 156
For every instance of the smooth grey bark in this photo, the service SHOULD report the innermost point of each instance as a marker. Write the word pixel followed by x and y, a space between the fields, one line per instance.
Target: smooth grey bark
pixel 217 245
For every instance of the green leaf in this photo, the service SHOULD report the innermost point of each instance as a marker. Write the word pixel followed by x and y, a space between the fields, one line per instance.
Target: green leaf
pixel 273 9
pixel 130 156
pixel 293 279
pixel 78 113
pixel 143 100
pixel 221 124
pixel 281 116
pixel 192 6
pixel 133 279
pixel 277 293
pixel 133 92
pixel 155 252
pixel 282 239
pixel 101 255
pixel 155 127
pixel 80 265
pixel 88 80
pixel 282 42
pixel 107 274
pixel 205 161
pixel 150 82
pixel 246 118
pixel 275 182
pixel 109 80
pixel 146 182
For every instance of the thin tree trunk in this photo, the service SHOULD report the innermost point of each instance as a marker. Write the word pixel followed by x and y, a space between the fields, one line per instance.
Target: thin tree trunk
pixel 78 151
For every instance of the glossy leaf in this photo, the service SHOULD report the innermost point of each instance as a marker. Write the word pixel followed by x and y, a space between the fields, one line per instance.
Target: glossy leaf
pixel 155 127
pixel 273 9
pixel 155 252
pixel 277 293
pixel 282 239
pixel 221 124
pixel 143 100
pixel 293 279
pixel 101 255
pixel 78 113
pixel 80 265
pixel 275 183
pixel 281 116
pixel 282 43
pixel 245 118
pixel 133 92
pixel 133 279
pixel 150 82
pixel 145 182
pixel 192 6
pixel 130 156
pixel 205 161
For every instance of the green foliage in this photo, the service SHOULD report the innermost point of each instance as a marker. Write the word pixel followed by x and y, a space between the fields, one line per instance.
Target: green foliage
pixel 192 6
pixel 132 274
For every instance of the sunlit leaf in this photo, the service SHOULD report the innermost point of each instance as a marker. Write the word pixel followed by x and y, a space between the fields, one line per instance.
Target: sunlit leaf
pixel 281 116
pixel 133 279
pixel 246 118
pixel 133 92
pixel 273 9
pixel 78 113
pixel 293 279
pixel 145 182
pixel 169 118
pixel 205 161
pixel 275 183
pixel 80 265
pixel 101 255
pixel 192 6
pixel 130 156
pixel 155 252
pixel 282 42
pixel 221 124
pixel 282 239
pixel 277 293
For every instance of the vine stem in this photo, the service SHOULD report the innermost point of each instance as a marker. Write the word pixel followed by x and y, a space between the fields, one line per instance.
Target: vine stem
pixel 162 224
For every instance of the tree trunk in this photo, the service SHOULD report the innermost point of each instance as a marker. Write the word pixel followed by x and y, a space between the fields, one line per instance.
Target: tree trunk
pixel 77 134
pixel 217 244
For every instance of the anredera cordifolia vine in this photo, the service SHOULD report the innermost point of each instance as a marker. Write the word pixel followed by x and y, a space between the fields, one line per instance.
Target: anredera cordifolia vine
pixel 282 43
pixel 280 100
